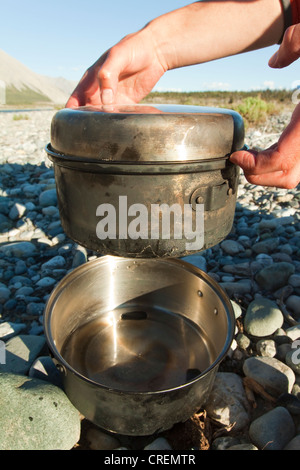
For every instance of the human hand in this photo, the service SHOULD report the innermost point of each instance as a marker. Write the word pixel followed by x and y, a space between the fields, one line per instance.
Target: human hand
pixel 125 74
pixel 289 50
pixel 279 165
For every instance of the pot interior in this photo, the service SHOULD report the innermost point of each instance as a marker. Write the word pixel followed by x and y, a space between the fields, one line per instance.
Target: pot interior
pixel 138 326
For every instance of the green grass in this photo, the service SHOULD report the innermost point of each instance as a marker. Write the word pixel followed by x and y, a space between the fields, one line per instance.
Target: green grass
pixel 254 106
pixel 254 110
pixel 217 98
pixel 20 117
pixel 25 96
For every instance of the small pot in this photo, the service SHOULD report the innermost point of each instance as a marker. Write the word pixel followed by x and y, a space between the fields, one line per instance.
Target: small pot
pixel 146 181
pixel 138 342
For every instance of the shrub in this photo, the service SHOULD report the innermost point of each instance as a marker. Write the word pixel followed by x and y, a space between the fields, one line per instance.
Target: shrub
pixel 254 110
pixel 20 117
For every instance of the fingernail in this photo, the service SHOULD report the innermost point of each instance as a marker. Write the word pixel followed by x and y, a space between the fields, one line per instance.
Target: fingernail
pixel 273 60
pixel 107 96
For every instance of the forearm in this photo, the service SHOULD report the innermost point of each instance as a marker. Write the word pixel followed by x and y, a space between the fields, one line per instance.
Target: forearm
pixel 208 30
pixel 197 33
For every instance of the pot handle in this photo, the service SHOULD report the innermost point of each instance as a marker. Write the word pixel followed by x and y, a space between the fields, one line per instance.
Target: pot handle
pixel 213 197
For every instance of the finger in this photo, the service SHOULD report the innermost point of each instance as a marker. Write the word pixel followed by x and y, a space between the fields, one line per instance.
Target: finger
pixel 72 102
pixel 278 179
pixel 289 50
pixel 87 90
pixel 108 75
pixel 120 63
pixel 269 167
pixel 267 179
pixel 76 98
pixel 256 163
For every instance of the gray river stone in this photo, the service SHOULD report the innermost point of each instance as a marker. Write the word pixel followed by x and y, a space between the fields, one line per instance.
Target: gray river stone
pixel 43 368
pixel 196 260
pixel 266 246
pixel 10 329
pixel 80 256
pixel 275 376
pixel 158 444
pixel 20 352
pixel 263 317
pixel 48 198
pixel 293 304
pixel 273 430
pixel 54 263
pixel 227 402
pixel 294 444
pixel 18 249
pixel 292 359
pixel 224 442
pixel 240 287
pixel 100 440
pixel 293 332
pixel 245 446
pixel 35 415
pixel 232 247
pixel 274 276
pixel 266 347
pixel 294 280
pixel 4 294
pixel 17 211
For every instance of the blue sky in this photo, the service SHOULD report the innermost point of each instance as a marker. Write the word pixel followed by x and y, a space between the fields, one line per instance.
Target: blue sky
pixel 64 37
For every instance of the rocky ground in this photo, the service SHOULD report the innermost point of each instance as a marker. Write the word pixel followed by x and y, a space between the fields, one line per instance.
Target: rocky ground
pixel 255 401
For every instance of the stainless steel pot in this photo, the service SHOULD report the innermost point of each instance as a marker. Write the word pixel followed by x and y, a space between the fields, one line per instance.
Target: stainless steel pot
pixel 124 172
pixel 138 342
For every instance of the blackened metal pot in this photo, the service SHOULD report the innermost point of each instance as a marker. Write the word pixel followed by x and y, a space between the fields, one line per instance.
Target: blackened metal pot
pixel 138 342
pixel 146 181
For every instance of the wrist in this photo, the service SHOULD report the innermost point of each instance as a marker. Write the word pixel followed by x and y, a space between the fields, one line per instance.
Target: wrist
pixel 160 43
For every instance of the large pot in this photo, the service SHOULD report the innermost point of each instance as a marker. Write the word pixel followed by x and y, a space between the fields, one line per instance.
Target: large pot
pixel 146 181
pixel 138 342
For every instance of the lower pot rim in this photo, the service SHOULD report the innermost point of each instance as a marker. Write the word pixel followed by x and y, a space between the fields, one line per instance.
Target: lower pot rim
pixel 67 368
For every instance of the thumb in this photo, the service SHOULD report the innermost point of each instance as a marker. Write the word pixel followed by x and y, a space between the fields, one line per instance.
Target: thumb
pixel 259 162
pixel 289 50
pixel 246 159
pixel 258 167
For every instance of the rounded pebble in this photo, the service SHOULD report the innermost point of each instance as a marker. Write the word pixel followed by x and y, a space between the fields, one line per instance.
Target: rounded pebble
pixel 243 447
pixel 275 376
pixel 228 403
pixel 274 276
pixel 266 347
pixel 99 440
pixel 294 444
pixel 262 318
pixel 33 409
pixel 272 430
pixel 158 444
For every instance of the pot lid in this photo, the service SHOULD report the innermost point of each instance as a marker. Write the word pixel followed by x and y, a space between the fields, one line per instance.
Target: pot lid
pixel 146 133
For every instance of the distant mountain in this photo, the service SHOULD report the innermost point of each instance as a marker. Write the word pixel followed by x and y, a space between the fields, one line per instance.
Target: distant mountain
pixel 23 86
